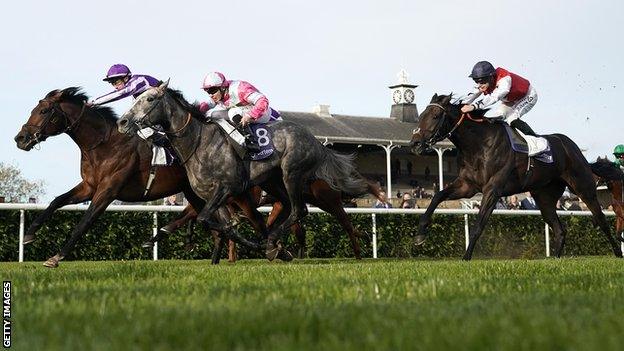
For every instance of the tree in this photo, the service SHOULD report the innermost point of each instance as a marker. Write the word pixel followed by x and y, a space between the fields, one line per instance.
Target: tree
pixel 15 188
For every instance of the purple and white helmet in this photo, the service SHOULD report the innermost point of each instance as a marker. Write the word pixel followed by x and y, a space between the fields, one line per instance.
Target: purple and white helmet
pixel 117 71
pixel 214 79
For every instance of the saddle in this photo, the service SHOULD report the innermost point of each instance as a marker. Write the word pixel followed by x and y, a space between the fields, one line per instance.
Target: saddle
pixel 535 147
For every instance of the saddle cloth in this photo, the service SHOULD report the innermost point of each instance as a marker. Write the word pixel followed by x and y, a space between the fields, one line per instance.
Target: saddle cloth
pixel 528 144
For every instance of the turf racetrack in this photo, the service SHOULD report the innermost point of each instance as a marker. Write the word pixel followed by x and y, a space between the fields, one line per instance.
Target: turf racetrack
pixel 573 303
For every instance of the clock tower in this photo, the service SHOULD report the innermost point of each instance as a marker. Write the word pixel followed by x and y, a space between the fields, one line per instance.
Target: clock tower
pixel 403 105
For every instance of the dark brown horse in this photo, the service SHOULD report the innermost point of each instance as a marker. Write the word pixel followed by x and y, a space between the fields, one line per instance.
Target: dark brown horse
pixel 614 183
pixel 113 166
pixel 487 164
pixel 321 195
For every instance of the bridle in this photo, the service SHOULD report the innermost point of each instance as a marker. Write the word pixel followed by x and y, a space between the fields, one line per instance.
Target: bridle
pixel 56 108
pixel 437 134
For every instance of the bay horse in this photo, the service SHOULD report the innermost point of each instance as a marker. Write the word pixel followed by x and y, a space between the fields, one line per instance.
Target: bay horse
pixel 487 164
pixel 216 172
pixel 613 179
pixel 112 166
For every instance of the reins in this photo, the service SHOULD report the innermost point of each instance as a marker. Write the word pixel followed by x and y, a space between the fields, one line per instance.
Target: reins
pixel 436 135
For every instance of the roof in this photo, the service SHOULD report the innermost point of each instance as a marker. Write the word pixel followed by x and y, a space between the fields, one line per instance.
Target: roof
pixel 355 129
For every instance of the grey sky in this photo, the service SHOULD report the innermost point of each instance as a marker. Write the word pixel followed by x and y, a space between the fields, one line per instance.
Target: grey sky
pixel 303 53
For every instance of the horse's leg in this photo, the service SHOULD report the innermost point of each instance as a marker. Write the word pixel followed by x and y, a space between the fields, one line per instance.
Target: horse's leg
pixel 619 219
pixel 232 256
pixel 80 193
pixel 247 203
pixel 187 215
pixel 546 199
pixel 490 198
pixel 218 238
pixel 279 191
pixel 189 242
pixel 584 188
pixel 456 190
pixel 330 201
pixel 101 200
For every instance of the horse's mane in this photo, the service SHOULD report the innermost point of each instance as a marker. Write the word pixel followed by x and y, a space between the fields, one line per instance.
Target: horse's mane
pixel 192 108
pixel 606 169
pixel 76 96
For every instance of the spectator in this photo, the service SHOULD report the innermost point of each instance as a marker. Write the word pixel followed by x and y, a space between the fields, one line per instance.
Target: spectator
pixel 171 201
pixel 558 206
pixel 513 203
pixel 399 194
pixel 570 205
pixel 528 203
pixel 407 201
pixel 32 200
pixel 384 203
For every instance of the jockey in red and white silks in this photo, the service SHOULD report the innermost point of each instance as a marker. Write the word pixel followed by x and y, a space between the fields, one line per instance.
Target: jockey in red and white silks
pixel 516 94
pixel 238 98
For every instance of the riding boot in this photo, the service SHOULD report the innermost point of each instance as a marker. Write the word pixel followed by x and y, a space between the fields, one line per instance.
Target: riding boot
pixel 522 126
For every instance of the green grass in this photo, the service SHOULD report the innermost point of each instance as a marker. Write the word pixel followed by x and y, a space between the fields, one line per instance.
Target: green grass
pixel 566 304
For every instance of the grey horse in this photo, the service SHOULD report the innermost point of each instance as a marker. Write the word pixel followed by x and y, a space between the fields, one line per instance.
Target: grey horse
pixel 216 172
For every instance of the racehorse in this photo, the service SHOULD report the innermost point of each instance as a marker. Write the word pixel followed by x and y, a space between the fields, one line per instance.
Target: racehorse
pixel 113 166
pixel 487 164
pixel 216 172
pixel 615 186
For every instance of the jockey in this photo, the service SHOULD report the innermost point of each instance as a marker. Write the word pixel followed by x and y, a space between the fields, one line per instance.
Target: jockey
pixel 618 152
pixel 244 103
pixel 516 94
pixel 126 84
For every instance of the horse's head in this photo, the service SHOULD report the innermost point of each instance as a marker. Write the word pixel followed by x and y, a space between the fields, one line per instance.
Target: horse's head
pixel 434 124
pixel 48 118
pixel 148 110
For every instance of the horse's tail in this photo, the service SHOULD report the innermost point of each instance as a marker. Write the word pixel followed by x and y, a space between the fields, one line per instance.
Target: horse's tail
pixel 607 170
pixel 339 172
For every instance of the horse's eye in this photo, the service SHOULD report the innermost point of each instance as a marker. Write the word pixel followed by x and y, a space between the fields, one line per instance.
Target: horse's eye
pixel 45 111
pixel 150 99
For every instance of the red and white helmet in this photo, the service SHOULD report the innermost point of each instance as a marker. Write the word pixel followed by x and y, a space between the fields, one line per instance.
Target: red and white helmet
pixel 214 79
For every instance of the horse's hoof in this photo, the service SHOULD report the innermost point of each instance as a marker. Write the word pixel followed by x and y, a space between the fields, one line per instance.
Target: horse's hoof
pixel 52 262
pixel 272 253
pixel 189 247
pixel 29 238
pixel 285 255
pixel 419 239
pixel 147 245
pixel 301 254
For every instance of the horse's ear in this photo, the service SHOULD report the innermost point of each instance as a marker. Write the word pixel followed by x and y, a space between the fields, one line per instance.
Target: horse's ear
pixel 163 86
pixel 446 100
pixel 434 97
pixel 54 95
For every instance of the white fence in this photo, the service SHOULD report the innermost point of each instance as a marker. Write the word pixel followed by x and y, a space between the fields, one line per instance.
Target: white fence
pixel 372 211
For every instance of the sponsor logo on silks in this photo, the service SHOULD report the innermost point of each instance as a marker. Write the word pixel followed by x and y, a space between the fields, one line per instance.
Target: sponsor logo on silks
pixel 6 314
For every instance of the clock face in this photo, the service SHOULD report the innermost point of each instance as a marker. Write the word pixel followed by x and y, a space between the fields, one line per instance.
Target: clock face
pixel 409 96
pixel 396 96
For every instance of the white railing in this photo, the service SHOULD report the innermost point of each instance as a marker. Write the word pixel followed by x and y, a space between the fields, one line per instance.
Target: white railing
pixel 372 211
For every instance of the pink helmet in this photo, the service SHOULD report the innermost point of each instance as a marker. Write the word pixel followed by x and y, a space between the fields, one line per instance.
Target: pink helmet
pixel 214 79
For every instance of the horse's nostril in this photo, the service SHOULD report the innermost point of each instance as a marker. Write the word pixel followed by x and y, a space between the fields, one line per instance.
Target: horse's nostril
pixel 123 122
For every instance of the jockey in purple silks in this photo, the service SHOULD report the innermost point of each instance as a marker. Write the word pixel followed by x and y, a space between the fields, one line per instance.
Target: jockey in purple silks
pixel 125 84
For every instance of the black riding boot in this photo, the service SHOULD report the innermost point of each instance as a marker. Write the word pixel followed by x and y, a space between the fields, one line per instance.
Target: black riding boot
pixel 522 126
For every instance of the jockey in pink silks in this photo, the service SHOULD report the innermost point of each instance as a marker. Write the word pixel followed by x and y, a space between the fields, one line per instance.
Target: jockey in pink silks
pixel 242 101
